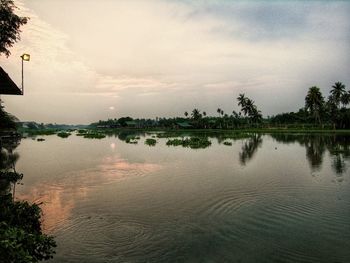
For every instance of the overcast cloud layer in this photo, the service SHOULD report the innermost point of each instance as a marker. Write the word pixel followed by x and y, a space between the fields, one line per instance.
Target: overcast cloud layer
pixel 98 59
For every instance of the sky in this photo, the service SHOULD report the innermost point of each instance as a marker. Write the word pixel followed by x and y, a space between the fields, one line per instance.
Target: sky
pixel 99 59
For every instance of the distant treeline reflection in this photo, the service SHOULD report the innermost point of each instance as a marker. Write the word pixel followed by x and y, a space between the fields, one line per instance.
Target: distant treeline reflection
pixel 316 145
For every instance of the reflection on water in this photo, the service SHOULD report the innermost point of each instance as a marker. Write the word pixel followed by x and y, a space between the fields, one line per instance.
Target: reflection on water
pixel 249 148
pixel 8 160
pixel 338 147
pixel 316 145
pixel 21 236
pixel 255 201
pixel 59 199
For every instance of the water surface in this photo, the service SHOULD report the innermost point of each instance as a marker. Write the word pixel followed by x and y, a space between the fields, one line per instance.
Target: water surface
pixel 266 198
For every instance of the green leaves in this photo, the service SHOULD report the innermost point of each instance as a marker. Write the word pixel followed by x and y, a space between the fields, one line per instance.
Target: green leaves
pixel 21 237
pixel 314 103
pixel 248 108
pixel 10 24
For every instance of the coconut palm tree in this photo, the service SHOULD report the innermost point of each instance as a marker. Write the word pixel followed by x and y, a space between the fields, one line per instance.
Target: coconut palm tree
pixel 250 107
pixel 337 93
pixel 219 111
pixel 196 114
pixel 186 114
pixel 241 99
pixel 204 113
pixel 338 97
pixel 235 114
pixel 345 99
pixel 314 103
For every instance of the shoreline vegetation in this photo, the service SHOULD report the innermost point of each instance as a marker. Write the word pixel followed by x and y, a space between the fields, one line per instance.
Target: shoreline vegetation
pixel 317 116
pixel 97 133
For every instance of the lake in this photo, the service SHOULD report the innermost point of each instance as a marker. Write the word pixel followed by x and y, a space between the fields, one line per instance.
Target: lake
pixel 265 198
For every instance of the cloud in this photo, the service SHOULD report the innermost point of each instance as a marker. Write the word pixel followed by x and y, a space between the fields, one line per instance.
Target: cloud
pixel 140 55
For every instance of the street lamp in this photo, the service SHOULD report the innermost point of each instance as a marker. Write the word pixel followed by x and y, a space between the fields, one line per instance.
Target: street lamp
pixel 25 57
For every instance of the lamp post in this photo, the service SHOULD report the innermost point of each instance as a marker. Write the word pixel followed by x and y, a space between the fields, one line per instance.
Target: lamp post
pixel 25 57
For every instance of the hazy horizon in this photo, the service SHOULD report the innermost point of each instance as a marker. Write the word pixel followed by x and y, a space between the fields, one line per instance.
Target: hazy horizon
pixel 94 60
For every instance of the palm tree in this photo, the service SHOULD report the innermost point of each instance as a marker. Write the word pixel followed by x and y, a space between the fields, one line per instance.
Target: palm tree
pixel 186 114
pixel 219 111
pixel 235 114
pixel 345 99
pixel 204 113
pixel 338 96
pixel 314 103
pixel 256 115
pixel 244 103
pixel 337 93
pixel 196 114
pixel 241 100
pixel 250 107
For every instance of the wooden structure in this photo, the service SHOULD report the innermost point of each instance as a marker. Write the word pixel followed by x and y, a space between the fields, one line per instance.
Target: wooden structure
pixel 7 86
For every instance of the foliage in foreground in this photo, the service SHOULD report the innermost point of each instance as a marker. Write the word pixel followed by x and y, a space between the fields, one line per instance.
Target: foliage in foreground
pixel 9 26
pixel 7 121
pixel 21 237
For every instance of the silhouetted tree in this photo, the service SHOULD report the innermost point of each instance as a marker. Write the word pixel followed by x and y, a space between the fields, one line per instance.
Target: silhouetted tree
pixel 314 103
pixel 338 99
pixel 196 115
pixel 249 108
pixel 7 121
pixel 337 93
pixel 10 24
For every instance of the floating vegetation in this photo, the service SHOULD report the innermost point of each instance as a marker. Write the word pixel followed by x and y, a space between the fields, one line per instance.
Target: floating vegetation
pixel 94 136
pixel 40 139
pixel 131 140
pixel 151 141
pixel 193 142
pixel 63 134
pixel 90 134
pixel 172 134
pixel 174 142
pixel 227 143
pixel 40 131
pixel 82 131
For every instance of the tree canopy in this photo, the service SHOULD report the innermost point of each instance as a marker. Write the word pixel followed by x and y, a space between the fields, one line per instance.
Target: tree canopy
pixel 10 24
pixel 314 102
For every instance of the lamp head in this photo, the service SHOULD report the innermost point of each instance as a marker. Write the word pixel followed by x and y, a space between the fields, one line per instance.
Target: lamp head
pixel 25 57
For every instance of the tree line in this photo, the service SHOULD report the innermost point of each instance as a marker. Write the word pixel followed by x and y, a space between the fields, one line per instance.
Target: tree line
pixel 334 109
pixel 317 113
